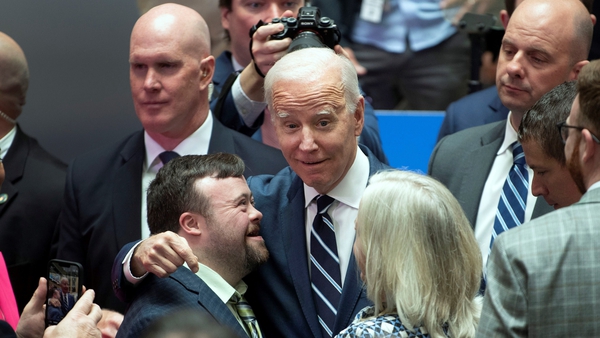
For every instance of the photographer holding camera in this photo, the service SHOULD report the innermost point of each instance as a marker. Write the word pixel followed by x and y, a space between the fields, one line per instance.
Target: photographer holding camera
pixel 238 101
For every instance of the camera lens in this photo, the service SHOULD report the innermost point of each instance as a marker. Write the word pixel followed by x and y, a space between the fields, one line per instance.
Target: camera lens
pixel 306 39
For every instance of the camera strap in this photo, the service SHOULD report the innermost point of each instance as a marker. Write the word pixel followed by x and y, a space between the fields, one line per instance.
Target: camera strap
pixel 252 31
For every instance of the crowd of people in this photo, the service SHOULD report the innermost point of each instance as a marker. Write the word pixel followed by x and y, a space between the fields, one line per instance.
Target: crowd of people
pixel 257 201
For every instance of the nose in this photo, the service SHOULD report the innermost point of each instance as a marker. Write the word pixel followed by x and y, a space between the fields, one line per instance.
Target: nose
pixel 151 81
pixel 514 68
pixel 538 188
pixel 308 141
pixel 272 11
pixel 255 214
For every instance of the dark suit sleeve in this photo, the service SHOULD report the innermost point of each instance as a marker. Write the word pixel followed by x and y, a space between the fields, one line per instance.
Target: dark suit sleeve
pixel 69 235
pixel 370 134
pixel 447 127
pixel 123 289
pixel 504 312
pixel 225 110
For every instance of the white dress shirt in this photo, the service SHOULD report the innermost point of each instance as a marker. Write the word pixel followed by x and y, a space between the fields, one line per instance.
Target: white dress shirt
pixel 343 212
pixel 195 144
pixel 7 141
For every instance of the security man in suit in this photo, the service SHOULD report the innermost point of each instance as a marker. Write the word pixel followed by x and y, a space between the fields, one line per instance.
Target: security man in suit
pixel 170 74
pixel 543 276
pixel 30 197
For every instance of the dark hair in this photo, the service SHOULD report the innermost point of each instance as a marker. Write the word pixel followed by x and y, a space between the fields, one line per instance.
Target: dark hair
pixel 187 323
pixel 588 87
pixel 539 122
pixel 173 192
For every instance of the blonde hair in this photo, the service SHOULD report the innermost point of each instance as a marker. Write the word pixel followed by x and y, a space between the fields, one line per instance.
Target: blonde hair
pixel 421 258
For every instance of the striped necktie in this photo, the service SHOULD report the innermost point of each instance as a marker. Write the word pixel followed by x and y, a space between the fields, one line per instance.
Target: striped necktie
pixel 325 266
pixel 247 315
pixel 511 207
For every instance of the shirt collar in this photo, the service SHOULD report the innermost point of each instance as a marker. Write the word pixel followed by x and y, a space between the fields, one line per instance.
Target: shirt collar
pixel 594 186
pixel 510 136
pixel 195 144
pixel 7 141
pixel 347 191
pixel 236 65
pixel 218 285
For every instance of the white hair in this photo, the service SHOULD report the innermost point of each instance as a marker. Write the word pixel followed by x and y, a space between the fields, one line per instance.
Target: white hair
pixel 309 65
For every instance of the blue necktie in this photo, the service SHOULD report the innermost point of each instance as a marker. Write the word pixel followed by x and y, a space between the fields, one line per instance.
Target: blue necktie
pixel 166 156
pixel 511 207
pixel 325 266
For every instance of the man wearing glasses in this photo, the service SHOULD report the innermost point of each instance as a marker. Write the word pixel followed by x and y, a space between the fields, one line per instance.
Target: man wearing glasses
pixel 543 277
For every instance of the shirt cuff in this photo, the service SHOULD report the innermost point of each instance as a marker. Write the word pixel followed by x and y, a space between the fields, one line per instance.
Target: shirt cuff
pixel 127 267
pixel 249 110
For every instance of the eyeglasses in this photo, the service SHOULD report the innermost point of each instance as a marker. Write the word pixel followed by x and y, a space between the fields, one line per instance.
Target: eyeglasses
pixel 563 129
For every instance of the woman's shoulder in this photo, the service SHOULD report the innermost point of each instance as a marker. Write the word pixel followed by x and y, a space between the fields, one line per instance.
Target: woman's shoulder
pixel 367 325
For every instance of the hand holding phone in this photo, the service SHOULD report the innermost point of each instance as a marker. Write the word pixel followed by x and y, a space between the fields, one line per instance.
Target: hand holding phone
pixel 64 289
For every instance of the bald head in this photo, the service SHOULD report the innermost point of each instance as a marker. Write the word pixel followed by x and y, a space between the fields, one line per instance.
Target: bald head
pixel 174 24
pixel 15 77
pixel 570 18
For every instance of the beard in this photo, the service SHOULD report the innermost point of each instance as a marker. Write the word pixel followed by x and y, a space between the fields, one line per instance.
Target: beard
pixel 574 167
pixel 255 256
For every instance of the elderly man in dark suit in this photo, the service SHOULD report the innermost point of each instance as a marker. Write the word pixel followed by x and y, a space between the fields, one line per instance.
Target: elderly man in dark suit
pixel 482 165
pixel 170 75
pixel 317 111
pixel 205 200
pixel 542 276
pixel 31 194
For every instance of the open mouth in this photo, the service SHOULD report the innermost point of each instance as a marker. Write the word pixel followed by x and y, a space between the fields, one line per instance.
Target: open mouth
pixel 254 233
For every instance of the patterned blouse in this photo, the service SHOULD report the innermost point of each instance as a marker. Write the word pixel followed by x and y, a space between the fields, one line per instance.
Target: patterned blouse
pixel 388 325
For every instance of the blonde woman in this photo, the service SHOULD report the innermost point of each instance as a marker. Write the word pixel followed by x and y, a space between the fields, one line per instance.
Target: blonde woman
pixel 420 263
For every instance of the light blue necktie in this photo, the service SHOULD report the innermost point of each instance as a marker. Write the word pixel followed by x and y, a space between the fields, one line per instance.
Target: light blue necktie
pixel 325 266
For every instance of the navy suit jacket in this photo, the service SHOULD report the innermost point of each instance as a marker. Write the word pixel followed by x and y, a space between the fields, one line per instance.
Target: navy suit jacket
pixel 229 115
pixel 279 291
pixel 34 185
pixel 473 110
pixel 102 208
pixel 181 290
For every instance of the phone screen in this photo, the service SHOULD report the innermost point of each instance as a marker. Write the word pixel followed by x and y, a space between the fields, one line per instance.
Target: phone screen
pixel 64 289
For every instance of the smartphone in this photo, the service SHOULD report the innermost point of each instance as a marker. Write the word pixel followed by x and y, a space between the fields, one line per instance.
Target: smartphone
pixel 64 289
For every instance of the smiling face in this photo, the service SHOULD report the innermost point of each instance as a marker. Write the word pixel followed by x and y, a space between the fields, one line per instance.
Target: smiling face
pixel 233 226
pixel 244 14
pixel 535 56
pixel 316 133
pixel 551 179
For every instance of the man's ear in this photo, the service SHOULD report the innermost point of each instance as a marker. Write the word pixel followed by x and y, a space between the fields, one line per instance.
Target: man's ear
pixel 192 223
pixel 576 69
pixel 504 18
pixel 590 147
pixel 225 17
pixel 359 116
pixel 207 69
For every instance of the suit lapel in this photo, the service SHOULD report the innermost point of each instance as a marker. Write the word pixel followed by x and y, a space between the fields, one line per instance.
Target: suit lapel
pixel 220 139
pixel 297 254
pixel 208 299
pixel 14 165
pixel 473 180
pixel 127 190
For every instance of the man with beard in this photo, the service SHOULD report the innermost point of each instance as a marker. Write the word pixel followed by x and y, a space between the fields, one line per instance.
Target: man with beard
pixel 206 201
pixel 542 276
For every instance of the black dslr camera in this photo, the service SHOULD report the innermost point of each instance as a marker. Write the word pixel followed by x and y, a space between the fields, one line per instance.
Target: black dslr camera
pixel 308 30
